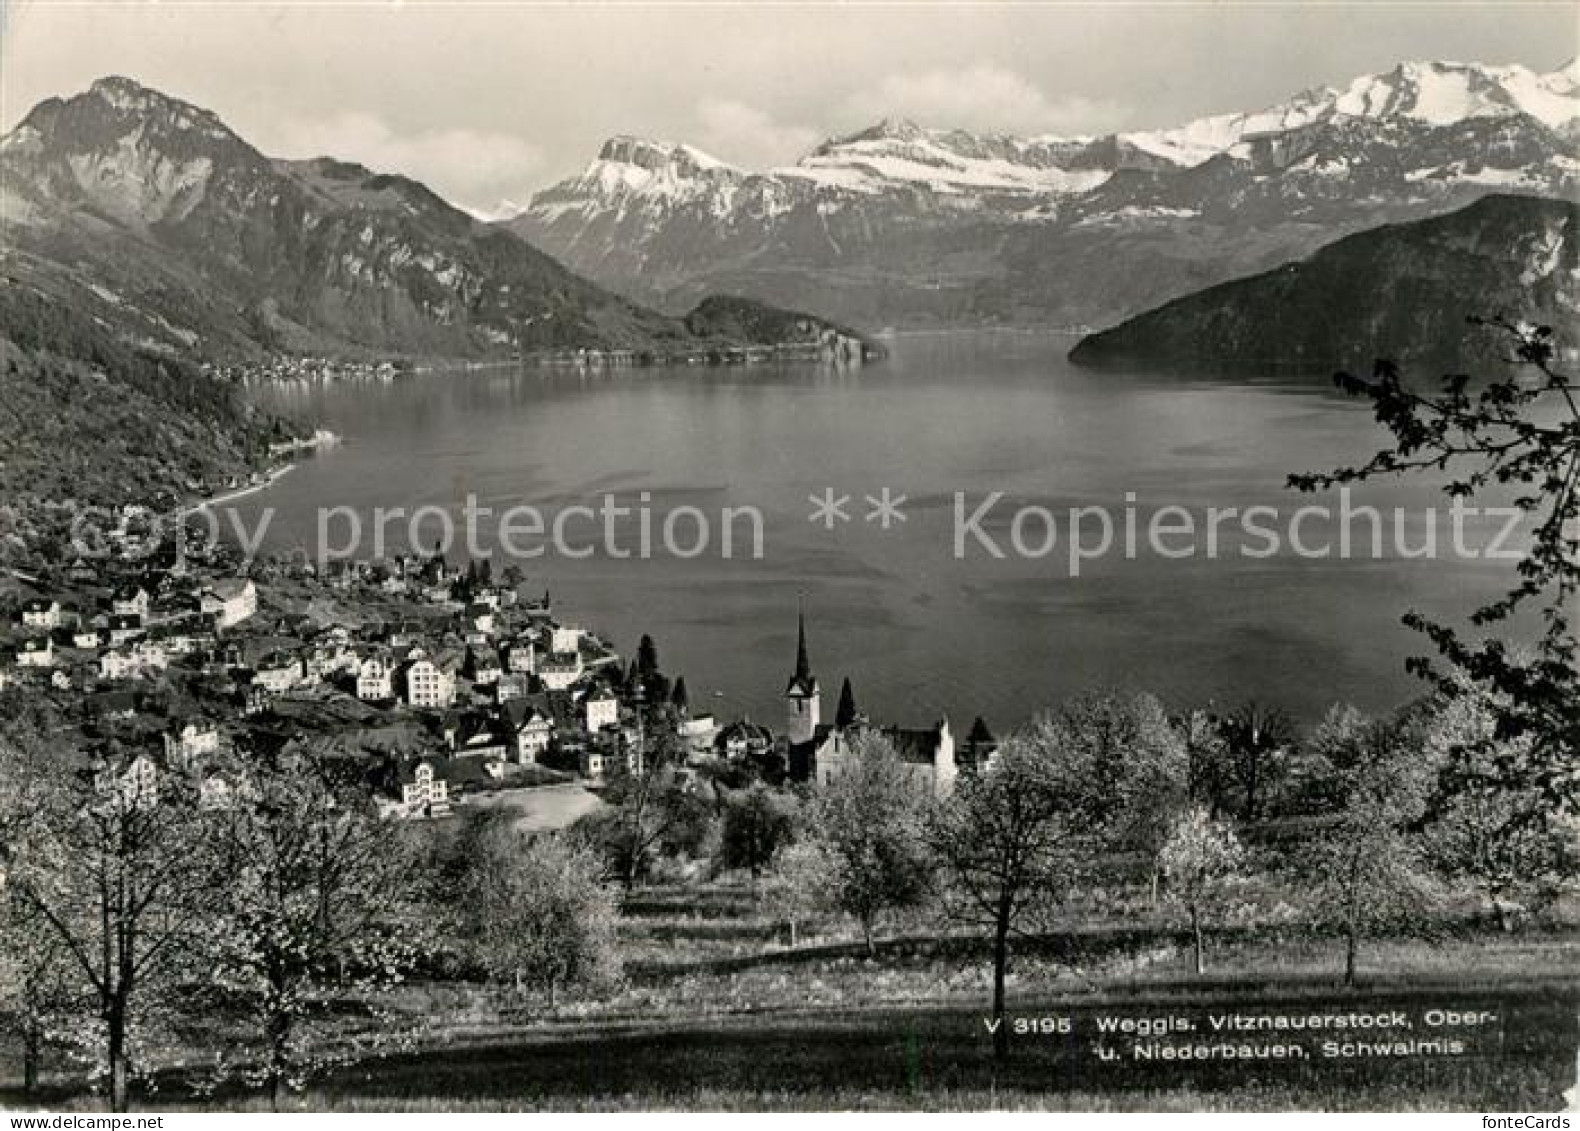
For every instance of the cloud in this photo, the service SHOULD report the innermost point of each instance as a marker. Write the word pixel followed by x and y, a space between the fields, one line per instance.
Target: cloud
pixel 478 170
pixel 746 136
pixel 985 98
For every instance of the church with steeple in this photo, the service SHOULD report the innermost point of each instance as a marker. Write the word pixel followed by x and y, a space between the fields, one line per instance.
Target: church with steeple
pixel 803 696
pixel 818 752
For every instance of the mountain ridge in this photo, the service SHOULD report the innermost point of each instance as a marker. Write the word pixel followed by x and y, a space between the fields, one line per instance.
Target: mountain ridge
pixel 903 224
pixel 150 213
pixel 1401 291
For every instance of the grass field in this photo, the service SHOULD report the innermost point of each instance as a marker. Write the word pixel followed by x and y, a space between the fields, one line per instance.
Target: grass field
pixel 717 1013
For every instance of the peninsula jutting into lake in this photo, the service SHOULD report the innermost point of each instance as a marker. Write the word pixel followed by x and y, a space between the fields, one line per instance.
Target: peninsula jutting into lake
pixel 877 558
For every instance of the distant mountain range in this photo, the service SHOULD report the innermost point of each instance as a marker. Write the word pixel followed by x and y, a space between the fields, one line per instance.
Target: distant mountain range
pixel 1400 291
pixel 149 215
pixel 904 225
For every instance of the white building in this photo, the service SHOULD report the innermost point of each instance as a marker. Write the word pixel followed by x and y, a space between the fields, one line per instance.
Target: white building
pixel 375 680
pixel 151 655
pixel 565 638
pixel 194 740
pixel 118 663
pixel 278 673
pixel 42 613
pixel 36 652
pixel 130 601
pixel 427 685
pixel 423 791
pixel 602 710
pixel 533 736
pixel 561 670
pixel 522 658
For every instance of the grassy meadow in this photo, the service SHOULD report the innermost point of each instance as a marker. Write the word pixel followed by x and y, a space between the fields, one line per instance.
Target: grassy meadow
pixel 717 1012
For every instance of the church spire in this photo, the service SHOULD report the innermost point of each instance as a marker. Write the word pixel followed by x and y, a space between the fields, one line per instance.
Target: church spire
pixel 803 667
pixel 803 684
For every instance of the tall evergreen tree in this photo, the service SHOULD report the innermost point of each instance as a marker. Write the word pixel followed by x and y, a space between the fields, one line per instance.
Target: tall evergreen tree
pixel 845 713
pixel 646 656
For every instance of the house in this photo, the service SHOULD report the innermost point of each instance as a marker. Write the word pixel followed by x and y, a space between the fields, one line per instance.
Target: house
pixel 484 737
pixel 140 779
pixel 698 732
pixel 191 740
pixel 230 600
pixel 512 685
pixel 176 606
pixel 565 638
pixel 134 776
pixel 742 738
pixel 87 638
pixel 427 685
pixel 253 698
pixel 36 652
pixel 601 710
pixel 608 755
pixel 119 663
pixel 175 639
pixel 521 657
pixel 375 679
pixel 534 733
pixel 560 670
pixel 43 613
pixel 328 658
pixel 131 600
pixel 480 617
pixel 594 763
pixel 481 666
pixel 424 792
pixel 151 655
pixel 278 672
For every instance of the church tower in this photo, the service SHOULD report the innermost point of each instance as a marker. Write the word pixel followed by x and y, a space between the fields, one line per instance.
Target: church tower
pixel 803 697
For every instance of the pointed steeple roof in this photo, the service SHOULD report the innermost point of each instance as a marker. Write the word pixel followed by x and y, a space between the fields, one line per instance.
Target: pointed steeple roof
pixel 803 684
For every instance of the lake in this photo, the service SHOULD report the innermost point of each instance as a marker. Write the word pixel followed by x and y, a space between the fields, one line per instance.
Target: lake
pixel 919 630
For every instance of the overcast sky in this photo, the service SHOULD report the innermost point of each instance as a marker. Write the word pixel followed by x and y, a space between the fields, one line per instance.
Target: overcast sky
pixel 487 102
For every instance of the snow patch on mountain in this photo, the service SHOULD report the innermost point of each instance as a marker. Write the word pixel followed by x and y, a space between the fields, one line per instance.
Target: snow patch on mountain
pixel 1433 94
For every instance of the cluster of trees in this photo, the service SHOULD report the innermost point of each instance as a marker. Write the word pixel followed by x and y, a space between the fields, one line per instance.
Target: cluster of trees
pixel 1102 789
pixel 255 902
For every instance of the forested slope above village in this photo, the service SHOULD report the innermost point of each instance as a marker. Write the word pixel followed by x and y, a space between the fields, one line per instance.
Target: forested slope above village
pixel 90 420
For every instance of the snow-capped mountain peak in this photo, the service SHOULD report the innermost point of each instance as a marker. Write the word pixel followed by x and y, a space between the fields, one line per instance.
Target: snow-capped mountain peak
pixel 903 221
pixel 1431 94
pixel 638 172
pixel 1442 93
pixel 655 156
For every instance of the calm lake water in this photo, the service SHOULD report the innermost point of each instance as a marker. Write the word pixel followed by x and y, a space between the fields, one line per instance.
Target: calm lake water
pixel 919 631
